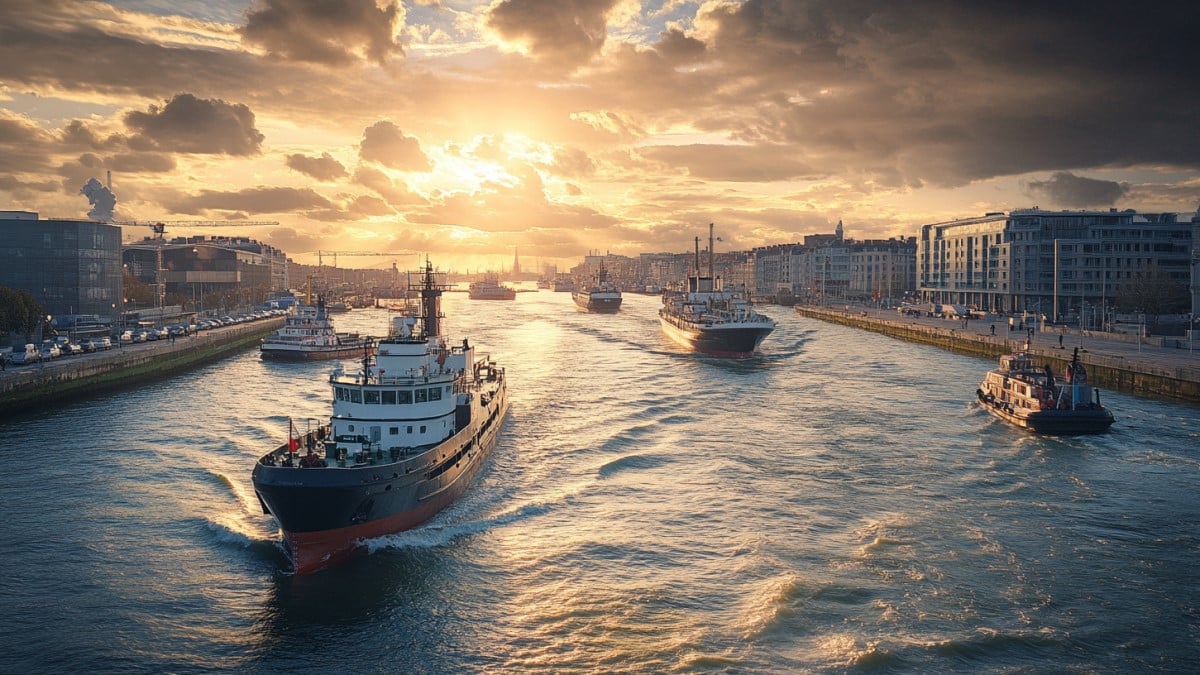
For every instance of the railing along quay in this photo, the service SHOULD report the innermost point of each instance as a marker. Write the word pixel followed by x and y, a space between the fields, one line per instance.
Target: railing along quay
pixel 1161 367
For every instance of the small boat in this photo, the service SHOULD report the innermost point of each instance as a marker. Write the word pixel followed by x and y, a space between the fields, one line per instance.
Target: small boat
pixel 309 335
pixel 563 283
pixel 1033 398
pixel 713 320
pixel 408 433
pixel 490 288
pixel 602 297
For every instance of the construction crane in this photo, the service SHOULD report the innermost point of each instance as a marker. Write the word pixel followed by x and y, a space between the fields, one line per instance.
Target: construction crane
pixel 321 255
pixel 159 227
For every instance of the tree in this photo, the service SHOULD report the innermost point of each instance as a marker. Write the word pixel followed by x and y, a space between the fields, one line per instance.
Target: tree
pixel 1153 292
pixel 19 312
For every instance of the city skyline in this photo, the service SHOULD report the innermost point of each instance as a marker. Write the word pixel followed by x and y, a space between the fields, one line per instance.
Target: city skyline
pixel 467 129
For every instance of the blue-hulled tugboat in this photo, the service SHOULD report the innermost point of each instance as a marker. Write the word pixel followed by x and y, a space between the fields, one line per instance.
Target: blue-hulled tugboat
pixel 1033 398
pixel 409 431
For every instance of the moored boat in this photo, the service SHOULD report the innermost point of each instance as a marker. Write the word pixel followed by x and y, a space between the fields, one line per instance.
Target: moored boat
pixel 408 433
pixel 309 335
pixel 602 297
pixel 1033 398
pixel 709 318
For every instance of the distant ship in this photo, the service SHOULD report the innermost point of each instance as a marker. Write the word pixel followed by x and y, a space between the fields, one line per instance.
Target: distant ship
pixel 490 288
pixel 309 335
pixel 602 297
pixel 408 433
pixel 563 283
pixel 1033 398
pixel 706 317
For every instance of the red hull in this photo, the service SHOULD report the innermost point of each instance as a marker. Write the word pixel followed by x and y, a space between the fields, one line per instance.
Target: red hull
pixel 312 551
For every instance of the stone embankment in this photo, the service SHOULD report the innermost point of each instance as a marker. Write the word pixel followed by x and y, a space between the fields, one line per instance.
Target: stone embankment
pixel 68 378
pixel 1166 368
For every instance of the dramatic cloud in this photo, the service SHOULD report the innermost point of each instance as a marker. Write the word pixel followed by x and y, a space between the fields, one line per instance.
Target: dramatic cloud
pixel 324 168
pixel 321 31
pixel 190 124
pixel 257 199
pixel 383 142
pixel 1067 190
pixel 562 32
pixel 732 162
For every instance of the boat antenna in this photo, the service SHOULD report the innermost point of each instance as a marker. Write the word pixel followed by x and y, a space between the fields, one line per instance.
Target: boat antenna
pixel 710 251
pixel 697 257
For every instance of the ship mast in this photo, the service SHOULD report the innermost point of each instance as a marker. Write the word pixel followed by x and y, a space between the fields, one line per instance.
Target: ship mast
pixel 710 251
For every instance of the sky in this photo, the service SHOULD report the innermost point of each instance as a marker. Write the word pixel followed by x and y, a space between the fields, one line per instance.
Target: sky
pixel 472 131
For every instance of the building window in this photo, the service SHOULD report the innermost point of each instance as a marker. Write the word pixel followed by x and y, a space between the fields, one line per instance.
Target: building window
pixel 394 431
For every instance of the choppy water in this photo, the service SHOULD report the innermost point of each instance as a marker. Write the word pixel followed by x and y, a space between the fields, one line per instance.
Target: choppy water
pixel 840 503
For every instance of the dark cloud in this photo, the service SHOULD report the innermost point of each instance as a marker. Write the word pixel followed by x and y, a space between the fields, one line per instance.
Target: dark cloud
pixel 573 162
pixel 293 241
pixel 731 162
pixel 566 33
pixel 190 124
pixel 323 168
pixel 677 47
pixel 24 147
pixel 954 92
pixel 323 31
pixel 1067 190
pixel 253 200
pixel 385 143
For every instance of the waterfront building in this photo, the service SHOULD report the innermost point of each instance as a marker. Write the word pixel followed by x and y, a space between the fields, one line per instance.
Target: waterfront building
pixel 1069 265
pixel 883 268
pixel 69 266
pixel 207 272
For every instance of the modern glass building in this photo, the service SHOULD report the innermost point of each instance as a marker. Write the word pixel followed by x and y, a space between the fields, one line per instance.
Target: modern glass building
pixel 1055 263
pixel 69 266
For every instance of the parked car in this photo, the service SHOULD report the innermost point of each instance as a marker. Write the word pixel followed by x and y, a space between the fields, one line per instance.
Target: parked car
pixel 89 345
pixel 103 343
pixel 29 355
pixel 49 350
pixel 71 349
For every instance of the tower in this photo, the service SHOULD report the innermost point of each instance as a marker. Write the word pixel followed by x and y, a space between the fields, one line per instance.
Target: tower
pixel 516 260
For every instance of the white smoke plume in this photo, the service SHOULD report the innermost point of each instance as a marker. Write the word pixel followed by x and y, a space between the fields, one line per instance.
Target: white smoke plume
pixel 101 198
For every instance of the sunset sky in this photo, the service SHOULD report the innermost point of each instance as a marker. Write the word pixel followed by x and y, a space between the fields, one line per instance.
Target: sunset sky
pixel 465 129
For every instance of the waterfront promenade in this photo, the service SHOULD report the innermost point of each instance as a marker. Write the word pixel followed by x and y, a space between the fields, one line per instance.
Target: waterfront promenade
pixel 1156 366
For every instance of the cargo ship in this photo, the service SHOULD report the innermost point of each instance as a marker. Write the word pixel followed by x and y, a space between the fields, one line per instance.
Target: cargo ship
pixel 490 288
pixel 601 297
pixel 709 318
pixel 409 431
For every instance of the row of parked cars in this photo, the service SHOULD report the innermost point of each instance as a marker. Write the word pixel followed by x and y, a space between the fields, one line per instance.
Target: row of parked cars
pixel 62 346
pixel 59 347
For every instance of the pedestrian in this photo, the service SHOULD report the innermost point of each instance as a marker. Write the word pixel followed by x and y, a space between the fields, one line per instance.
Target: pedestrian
pixel 1060 341
pixel 993 329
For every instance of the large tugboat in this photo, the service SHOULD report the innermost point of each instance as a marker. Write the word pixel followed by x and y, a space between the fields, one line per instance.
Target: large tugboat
pixel 1032 398
pixel 602 297
pixel 490 288
pixel 309 335
pixel 710 319
pixel 409 431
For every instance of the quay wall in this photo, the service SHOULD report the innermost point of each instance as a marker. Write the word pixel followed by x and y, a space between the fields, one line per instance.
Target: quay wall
pixel 1143 376
pixel 69 378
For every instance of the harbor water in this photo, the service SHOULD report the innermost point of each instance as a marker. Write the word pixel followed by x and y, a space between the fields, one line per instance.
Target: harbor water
pixel 839 503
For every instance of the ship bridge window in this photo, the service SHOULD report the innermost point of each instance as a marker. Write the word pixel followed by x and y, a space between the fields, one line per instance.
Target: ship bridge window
pixel 341 394
pixel 422 395
pixel 371 396
pixel 356 396
pixel 393 431
pixel 404 396
pixel 435 394
pixel 389 397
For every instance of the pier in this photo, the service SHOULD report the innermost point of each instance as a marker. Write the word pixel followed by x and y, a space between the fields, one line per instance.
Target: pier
pixel 66 379
pixel 1165 367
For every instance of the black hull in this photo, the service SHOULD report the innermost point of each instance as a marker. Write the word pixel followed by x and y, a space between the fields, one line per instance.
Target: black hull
pixel 599 306
pixel 1080 422
pixel 736 342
